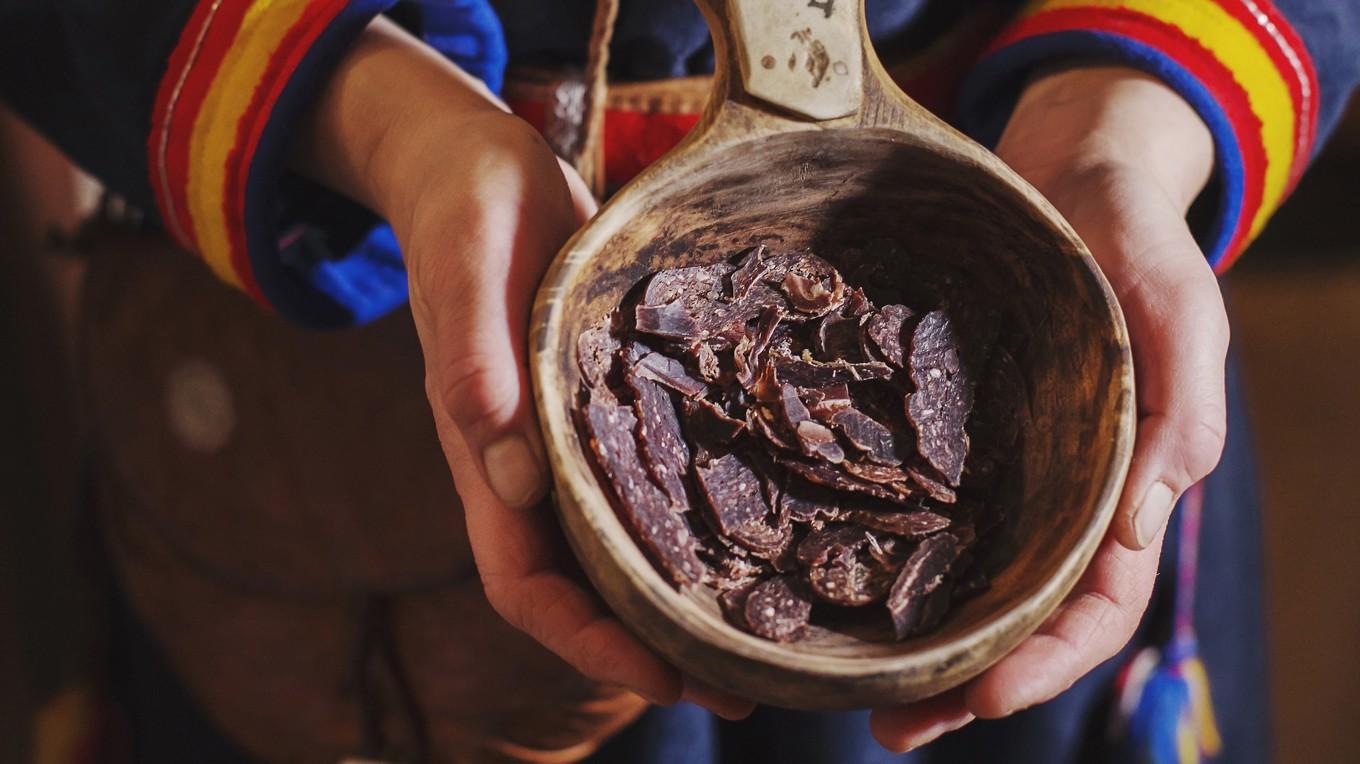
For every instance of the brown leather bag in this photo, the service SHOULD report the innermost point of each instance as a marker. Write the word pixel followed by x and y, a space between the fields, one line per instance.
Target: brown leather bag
pixel 280 514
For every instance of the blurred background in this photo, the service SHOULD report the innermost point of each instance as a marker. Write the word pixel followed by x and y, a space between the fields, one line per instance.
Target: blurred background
pixel 1295 304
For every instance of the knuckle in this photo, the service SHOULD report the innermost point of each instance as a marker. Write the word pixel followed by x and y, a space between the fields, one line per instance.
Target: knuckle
pixel 472 396
pixel 501 597
pixel 1202 445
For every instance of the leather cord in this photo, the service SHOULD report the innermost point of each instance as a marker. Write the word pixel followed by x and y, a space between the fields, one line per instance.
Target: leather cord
pixel 589 158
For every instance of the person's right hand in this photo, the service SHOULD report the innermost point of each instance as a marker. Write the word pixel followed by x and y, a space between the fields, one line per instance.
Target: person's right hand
pixel 1122 156
pixel 480 205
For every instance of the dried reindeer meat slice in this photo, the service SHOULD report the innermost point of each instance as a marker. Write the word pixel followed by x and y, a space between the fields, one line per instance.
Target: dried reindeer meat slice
pixel 832 476
pixel 905 524
pixel 737 505
pixel 851 580
pixel 750 350
pixel 866 434
pixel 820 546
pixel 825 402
pixel 850 565
pixel 668 286
pixel 706 361
pixel 814 439
pixel 646 509
pixel 770 540
pixel 671 373
pixel 837 337
pixel 732 603
pixel 934 488
pixel 706 423
pixel 748 272
pixel 857 303
pixel 804 372
pixel 778 609
pixel 923 572
pixel 882 474
pixel 813 296
pixel 760 420
pixel 733 491
pixel 595 351
pixel 818 441
pixel 939 407
pixel 664 450
pixel 688 304
pixel 884 332
pixel 673 319
pixel 804 502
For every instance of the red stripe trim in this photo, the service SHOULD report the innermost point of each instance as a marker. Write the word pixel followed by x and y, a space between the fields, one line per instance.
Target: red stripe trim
pixel 165 94
pixel 1305 110
pixel 282 64
pixel 1192 56
pixel 195 64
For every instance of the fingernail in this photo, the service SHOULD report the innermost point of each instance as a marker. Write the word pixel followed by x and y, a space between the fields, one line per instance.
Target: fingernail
pixel 513 472
pixel 936 732
pixel 1152 512
pixel 945 729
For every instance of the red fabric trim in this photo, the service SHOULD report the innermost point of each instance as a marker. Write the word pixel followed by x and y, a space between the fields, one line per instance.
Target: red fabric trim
pixel 210 54
pixel 634 140
pixel 1305 122
pixel 179 58
pixel 1198 61
pixel 283 62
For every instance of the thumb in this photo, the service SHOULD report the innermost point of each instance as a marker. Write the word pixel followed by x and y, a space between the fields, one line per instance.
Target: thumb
pixel 1179 334
pixel 471 299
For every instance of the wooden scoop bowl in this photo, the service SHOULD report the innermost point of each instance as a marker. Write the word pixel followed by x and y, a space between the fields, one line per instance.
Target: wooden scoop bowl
pixel 807 143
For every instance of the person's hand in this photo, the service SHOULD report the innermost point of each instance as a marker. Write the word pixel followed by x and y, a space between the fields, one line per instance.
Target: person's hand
pixel 480 205
pixel 1122 157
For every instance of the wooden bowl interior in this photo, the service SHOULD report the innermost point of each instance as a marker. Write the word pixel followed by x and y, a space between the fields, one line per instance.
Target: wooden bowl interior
pixel 957 223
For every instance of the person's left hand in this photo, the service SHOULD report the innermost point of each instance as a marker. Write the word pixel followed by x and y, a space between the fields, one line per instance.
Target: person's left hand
pixel 1122 156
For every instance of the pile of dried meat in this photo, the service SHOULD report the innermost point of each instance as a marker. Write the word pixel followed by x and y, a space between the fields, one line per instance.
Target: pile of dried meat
pixel 769 431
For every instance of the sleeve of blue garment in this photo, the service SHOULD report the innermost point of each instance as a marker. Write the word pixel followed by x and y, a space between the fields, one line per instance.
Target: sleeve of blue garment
pixel 1270 79
pixel 186 108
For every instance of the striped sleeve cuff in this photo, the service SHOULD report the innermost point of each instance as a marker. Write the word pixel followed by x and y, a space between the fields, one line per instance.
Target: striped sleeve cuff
pixel 1237 62
pixel 240 78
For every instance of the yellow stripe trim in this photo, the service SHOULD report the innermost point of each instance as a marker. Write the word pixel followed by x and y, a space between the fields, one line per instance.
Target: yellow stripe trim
pixel 1239 50
pixel 262 31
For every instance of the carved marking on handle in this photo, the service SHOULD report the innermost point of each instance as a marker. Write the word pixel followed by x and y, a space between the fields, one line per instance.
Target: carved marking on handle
pixel 820 44
pixel 825 6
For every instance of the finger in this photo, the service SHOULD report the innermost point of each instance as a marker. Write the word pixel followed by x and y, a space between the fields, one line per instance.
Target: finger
pixel 582 200
pixel 1093 624
pixel 472 308
pixel 516 555
pixel 904 728
pixel 1179 333
pixel 724 704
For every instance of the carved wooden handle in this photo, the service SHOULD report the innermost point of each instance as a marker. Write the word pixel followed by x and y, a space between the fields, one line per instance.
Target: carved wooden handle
pixel 803 56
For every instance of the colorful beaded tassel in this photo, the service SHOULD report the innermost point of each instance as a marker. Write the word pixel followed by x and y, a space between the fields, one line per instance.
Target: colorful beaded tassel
pixel 1165 713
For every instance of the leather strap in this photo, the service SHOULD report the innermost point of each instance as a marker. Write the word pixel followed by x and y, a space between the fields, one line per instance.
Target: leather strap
pixel 589 162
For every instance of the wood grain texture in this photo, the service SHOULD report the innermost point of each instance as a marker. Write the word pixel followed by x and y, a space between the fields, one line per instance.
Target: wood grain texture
pixel 754 173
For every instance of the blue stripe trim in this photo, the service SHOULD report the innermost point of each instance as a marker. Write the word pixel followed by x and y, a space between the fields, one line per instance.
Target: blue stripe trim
pixel 369 280
pixel 469 33
pixel 289 290
pixel 991 90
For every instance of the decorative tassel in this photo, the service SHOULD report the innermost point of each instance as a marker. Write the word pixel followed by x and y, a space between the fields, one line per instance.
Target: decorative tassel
pixel 1165 714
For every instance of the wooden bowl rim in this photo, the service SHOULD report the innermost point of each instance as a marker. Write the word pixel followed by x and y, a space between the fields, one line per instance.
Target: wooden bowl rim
pixel 963 655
